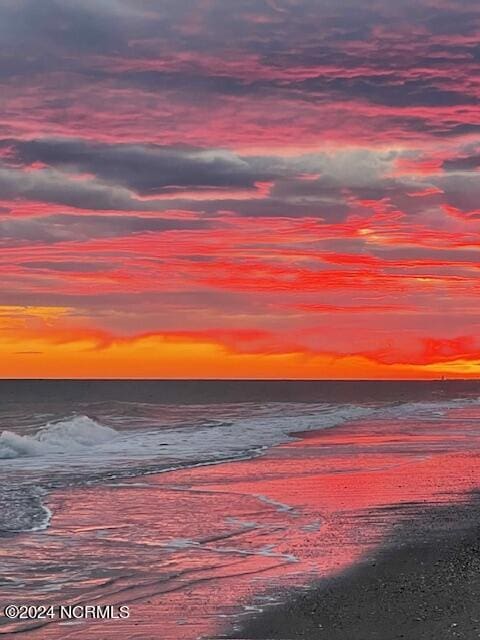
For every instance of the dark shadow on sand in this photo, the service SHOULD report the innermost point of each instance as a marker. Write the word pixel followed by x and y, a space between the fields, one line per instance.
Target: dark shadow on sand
pixel 424 584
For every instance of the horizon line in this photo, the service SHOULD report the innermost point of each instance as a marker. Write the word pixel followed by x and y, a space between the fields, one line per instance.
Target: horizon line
pixel 439 379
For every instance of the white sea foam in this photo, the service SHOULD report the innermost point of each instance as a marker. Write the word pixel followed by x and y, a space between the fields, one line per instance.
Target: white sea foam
pixel 23 509
pixel 44 524
pixel 83 442
pixel 430 408
pixel 66 437
pixel 279 506
pixel 80 448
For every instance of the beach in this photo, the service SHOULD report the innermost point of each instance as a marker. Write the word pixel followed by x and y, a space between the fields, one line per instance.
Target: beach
pixel 246 520
pixel 239 319
pixel 423 590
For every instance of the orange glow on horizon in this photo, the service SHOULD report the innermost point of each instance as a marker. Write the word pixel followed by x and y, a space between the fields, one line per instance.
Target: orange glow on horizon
pixel 90 354
pixel 251 190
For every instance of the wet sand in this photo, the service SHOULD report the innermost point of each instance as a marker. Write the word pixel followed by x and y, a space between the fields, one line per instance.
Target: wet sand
pixel 425 586
pixel 197 551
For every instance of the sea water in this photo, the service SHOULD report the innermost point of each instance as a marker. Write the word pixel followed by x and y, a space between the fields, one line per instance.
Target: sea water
pixel 198 503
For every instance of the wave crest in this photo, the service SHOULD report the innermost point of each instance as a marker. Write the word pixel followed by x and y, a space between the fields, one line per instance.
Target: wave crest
pixel 68 436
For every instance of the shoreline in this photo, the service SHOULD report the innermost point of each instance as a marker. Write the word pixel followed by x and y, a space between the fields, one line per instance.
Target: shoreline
pixel 358 483
pixel 425 585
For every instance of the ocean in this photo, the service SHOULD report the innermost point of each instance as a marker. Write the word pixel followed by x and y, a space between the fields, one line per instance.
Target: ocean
pixel 200 503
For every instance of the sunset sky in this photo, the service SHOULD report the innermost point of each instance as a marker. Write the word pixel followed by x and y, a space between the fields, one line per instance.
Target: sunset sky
pixel 240 188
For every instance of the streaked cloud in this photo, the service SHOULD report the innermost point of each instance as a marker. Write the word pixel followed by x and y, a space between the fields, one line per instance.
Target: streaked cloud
pixel 240 188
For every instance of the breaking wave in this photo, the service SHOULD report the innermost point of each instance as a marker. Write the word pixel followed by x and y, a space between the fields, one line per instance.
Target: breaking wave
pixel 79 449
pixel 69 436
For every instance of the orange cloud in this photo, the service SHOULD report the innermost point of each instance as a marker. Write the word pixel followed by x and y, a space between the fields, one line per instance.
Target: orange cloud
pixel 91 354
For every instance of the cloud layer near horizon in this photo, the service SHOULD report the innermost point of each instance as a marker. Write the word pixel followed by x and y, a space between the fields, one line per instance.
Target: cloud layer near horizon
pixel 238 183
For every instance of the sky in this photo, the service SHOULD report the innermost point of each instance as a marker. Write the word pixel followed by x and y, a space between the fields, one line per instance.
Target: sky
pixel 239 188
